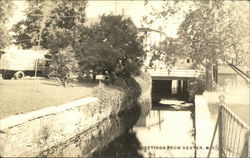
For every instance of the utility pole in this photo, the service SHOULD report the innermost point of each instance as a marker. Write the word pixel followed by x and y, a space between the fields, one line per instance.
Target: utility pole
pixel 47 7
pixel 38 47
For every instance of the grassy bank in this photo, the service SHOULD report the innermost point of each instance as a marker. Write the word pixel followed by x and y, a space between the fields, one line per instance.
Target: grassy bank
pixel 236 99
pixel 22 96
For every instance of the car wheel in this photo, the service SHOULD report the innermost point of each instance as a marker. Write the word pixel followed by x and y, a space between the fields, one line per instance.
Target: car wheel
pixel 7 76
pixel 19 75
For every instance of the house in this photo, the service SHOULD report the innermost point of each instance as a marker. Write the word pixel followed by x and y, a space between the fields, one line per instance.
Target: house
pixel 151 38
pixel 228 77
pixel 154 37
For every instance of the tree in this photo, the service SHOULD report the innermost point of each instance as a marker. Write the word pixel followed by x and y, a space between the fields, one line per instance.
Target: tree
pixel 111 47
pixel 238 17
pixel 211 30
pixel 64 66
pixel 6 8
pixel 168 51
pixel 54 25
pixel 209 34
pixel 50 24
pixel 171 48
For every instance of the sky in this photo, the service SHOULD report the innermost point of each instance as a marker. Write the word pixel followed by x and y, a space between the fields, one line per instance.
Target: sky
pixel 133 8
pixel 18 14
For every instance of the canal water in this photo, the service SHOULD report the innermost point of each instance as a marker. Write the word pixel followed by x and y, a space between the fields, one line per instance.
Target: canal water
pixel 166 131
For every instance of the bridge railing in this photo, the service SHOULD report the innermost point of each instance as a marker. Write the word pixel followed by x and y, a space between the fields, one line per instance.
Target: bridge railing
pixel 174 72
pixel 233 134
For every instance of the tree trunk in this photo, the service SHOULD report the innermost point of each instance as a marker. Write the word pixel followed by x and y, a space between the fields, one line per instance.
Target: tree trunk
pixel 215 72
pixel 209 77
pixel 94 76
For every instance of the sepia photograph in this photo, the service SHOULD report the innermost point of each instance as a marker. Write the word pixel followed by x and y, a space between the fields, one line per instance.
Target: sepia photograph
pixel 125 78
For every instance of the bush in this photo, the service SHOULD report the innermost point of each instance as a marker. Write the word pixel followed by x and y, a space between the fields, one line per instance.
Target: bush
pixel 121 95
pixel 64 66
pixel 197 86
pixel 125 94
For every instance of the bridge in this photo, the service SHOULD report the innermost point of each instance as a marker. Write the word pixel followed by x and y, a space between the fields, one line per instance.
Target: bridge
pixel 173 74
pixel 163 83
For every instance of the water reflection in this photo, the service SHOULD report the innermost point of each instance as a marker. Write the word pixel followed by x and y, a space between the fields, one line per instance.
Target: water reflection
pixel 125 146
pixel 164 132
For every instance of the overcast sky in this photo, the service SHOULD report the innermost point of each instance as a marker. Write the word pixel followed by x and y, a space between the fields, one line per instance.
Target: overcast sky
pixel 134 8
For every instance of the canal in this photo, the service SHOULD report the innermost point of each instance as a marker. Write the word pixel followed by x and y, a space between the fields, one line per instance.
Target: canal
pixel 167 130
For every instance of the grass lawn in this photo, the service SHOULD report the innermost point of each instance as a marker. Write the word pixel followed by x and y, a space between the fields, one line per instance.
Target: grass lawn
pixel 236 99
pixel 22 96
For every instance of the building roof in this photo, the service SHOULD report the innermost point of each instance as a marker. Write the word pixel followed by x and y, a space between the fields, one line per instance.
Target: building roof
pixel 225 69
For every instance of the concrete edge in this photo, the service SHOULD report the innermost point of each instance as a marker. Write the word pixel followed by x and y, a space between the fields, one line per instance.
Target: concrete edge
pixel 204 127
pixel 15 120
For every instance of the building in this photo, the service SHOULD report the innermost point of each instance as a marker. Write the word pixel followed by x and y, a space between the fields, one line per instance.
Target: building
pixel 228 77
pixel 184 63
pixel 151 38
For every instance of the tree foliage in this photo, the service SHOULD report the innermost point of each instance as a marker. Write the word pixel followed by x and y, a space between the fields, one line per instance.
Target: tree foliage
pixel 211 31
pixel 200 31
pixel 54 25
pixel 214 30
pixel 168 51
pixel 64 66
pixel 111 47
pixel 6 8
pixel 238 16
pixel 50 24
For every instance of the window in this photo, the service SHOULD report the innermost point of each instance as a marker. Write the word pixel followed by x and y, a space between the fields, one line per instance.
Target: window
pixel 188 60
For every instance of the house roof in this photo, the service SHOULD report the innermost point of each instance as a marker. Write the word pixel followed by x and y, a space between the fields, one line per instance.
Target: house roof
pixel 227 70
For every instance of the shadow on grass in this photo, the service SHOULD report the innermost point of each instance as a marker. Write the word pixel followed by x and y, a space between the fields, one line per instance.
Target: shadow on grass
pixel 82 83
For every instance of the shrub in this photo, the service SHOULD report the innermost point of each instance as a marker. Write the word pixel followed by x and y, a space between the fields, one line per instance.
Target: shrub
pixel 64 66
pixel 197 86
pixel 126 93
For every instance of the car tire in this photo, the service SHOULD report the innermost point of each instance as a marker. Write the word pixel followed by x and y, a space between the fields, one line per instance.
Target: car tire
pixel 6 76
pixel 19 75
